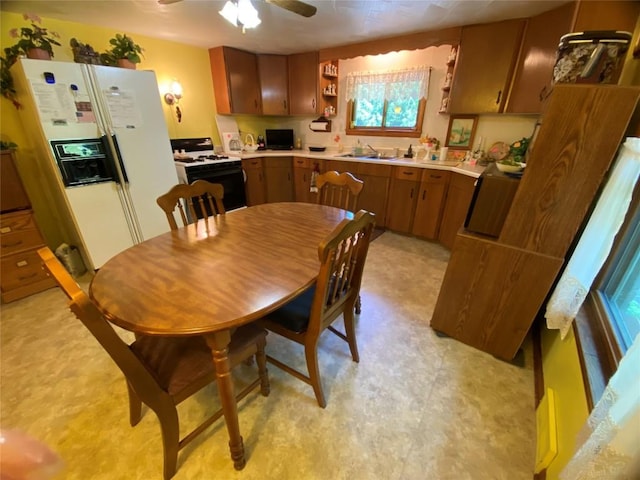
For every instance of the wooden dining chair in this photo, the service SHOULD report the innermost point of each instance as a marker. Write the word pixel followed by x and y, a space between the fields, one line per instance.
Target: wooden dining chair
pixel 340 190
pixel 161 372
pixel 342 257
pixel 199 196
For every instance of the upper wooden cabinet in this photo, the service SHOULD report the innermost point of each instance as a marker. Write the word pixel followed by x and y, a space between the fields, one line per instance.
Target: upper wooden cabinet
pixel 303 83
pixel 274 84
pixel 534 72
pixel 485 64
pixel 606 15
pixel 236 82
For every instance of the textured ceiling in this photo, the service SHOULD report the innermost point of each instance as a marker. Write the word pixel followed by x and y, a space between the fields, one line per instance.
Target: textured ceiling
pixel 337 22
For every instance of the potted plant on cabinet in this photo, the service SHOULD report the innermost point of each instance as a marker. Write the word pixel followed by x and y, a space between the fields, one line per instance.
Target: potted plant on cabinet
pixel 34 41
pixel 124 52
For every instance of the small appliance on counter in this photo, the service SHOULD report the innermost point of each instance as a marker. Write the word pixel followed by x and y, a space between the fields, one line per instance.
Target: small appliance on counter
pixel 279 139
pixel 231 142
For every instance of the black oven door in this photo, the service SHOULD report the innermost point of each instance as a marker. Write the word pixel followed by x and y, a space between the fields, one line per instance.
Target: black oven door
pixel 230 175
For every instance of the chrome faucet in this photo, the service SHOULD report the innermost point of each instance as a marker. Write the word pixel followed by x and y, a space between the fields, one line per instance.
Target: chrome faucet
pixel 374 150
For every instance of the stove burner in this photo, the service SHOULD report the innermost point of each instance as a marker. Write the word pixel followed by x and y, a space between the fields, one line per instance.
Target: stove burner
pixel 212 157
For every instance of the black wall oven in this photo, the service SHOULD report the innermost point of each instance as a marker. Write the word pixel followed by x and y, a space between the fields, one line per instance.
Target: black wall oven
pixel 229 174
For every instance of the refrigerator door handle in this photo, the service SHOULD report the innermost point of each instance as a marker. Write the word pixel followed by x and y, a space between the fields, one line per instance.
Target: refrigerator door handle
pixel 114 139
pixel 111 165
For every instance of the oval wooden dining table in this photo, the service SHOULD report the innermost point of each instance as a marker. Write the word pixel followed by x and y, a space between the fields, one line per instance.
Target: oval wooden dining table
pixel 214 275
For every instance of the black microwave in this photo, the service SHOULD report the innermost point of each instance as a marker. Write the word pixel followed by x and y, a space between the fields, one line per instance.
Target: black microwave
pixel 491 201
pixel 279 139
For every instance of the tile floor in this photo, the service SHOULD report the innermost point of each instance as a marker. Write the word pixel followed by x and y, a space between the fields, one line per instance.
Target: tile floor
pixel 416 407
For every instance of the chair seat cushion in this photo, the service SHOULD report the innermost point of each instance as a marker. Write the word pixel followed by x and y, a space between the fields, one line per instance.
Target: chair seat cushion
pixel 294 315
pixel 177 362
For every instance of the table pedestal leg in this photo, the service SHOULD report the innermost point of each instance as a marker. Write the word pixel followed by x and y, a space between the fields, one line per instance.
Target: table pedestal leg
pixel 219 344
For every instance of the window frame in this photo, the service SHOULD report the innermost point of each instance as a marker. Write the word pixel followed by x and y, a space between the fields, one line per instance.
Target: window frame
pixel 599 348
pixel 386 131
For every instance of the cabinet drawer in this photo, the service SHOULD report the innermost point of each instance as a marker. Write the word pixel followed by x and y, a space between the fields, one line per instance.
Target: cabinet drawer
pixel 20 269
pixel 19 241
pixel 376 170
pixel 435 176
pixel 278 162
pixel 407 173
pixel 299 162
pixel 252 164
pixel 17 221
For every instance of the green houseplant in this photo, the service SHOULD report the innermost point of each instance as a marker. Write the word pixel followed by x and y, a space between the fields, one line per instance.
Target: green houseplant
pixel 123 48
pixel 30 39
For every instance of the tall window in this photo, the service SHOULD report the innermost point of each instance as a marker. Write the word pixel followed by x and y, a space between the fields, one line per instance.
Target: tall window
pixel 387 103
pixel 619 290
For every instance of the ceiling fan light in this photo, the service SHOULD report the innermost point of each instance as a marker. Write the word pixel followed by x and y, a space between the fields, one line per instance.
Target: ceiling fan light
pixel 230 12
pixel 247 14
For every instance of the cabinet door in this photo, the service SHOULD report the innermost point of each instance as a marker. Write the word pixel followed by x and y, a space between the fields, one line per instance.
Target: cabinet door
pixel 302 170
pixel 273 84
pixel 456 205
pixel 430 204
pixel 303 83
pixel 235 80
pixel 403 194
pixel 485 63
pixel 279 177
pixel 255 184
pixel 375 192
pixel 534 72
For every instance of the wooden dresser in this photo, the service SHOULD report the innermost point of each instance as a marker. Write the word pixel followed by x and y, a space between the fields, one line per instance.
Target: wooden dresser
pixel 21 273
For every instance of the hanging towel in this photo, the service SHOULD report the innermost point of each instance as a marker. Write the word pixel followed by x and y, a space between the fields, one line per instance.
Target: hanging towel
pixel 313 188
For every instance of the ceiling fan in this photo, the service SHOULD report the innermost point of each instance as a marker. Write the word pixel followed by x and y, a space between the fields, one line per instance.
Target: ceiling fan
pixel 295 6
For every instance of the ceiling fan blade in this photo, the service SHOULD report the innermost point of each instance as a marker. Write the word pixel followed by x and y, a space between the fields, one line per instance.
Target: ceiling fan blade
pixel 295 6
pixel 168 2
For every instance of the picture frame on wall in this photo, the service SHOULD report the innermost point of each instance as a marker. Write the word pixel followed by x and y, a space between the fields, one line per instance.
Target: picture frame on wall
pixel 462 129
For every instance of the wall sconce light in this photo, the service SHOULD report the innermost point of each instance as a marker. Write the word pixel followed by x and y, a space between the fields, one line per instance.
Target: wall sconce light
pixel 240 12
pixel 173 98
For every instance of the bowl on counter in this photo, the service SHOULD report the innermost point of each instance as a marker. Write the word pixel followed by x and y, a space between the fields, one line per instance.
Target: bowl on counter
pixel 313 148
pixel 509 168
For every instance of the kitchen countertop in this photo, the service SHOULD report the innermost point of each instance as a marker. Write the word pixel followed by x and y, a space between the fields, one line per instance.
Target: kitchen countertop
pixel 457 167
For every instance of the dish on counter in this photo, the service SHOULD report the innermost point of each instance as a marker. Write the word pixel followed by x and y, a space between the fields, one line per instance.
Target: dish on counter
pixel 509 168
pixel 316 149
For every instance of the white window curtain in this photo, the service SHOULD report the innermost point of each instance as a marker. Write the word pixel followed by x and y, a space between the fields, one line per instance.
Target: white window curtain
pixel 393 85
pixel 607 445
pixel 595 243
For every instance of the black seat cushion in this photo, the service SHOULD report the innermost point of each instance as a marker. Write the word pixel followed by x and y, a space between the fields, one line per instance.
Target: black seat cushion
pixel 294 315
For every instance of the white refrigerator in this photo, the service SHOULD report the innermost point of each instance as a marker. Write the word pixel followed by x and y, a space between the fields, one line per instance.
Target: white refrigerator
pixel 103 149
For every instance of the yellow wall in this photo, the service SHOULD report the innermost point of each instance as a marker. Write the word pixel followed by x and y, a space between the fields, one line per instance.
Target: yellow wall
pixel 562 373
pixel 188 64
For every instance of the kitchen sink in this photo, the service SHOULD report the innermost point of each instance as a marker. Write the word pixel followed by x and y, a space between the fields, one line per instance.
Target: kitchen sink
pixel 368 157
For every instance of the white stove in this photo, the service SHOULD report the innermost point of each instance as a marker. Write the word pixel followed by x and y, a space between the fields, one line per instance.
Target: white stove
pixel 195 159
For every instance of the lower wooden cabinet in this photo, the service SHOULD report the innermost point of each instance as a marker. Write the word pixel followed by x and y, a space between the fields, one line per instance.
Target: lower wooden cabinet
pixel 457 203
pixel 22 273
pixel 278 174
pixel 374 195
pixel 303 169
pixel 403 195
pixel 255 182
pixel 430 203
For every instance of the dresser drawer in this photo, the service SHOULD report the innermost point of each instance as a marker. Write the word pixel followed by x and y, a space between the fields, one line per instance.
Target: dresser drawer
pixel 16 221
pixel 19 241
pixel 21 269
